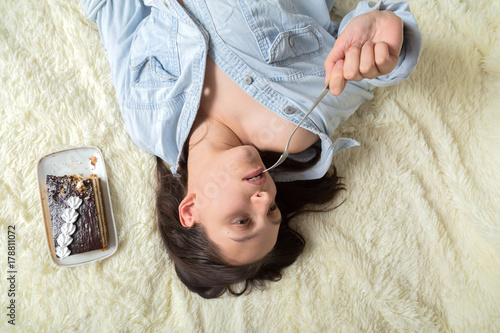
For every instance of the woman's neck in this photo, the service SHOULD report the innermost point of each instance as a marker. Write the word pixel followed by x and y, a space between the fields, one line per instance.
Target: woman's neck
pixel 209 137
pixel 209 140
pixel 213 131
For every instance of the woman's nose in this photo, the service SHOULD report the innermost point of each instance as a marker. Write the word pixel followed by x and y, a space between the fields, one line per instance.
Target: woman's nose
pixel 261 194
pixel 262 197
pixel 262 202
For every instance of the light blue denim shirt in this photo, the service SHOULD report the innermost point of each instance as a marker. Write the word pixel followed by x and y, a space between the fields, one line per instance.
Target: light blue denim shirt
pixel 274 50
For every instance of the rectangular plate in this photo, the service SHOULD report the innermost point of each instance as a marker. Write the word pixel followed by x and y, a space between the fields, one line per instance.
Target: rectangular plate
pixel 75 161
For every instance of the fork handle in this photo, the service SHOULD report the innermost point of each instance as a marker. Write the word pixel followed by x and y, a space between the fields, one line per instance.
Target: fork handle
pixel 285 152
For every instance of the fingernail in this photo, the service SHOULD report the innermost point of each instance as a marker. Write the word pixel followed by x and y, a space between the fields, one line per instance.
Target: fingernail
pixel 339 63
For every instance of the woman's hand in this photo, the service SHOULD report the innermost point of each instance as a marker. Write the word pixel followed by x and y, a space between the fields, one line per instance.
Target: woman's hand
pixel 368 47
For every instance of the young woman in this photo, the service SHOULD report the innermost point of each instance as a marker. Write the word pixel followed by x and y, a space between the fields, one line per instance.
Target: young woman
pixel 215 88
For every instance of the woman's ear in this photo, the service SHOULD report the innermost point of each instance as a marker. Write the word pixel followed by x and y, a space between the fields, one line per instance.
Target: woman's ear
pixel 186 211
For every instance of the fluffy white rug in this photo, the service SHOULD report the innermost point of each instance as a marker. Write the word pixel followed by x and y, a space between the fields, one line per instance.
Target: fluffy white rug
pixel 415 247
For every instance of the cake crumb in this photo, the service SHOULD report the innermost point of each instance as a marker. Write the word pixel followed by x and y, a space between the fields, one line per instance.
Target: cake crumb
pixel 93 161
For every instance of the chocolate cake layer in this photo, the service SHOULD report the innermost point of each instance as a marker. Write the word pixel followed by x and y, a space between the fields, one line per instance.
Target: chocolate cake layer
pixel 91 230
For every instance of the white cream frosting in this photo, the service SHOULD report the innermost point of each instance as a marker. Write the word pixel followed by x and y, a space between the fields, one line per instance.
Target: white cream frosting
pixel 68 229
pixel 70 215
pixel 64 240
pixel 62 252
pixel 74 202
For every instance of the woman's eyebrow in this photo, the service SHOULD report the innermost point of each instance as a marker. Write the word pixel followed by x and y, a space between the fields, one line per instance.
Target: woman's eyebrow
pixel 246 238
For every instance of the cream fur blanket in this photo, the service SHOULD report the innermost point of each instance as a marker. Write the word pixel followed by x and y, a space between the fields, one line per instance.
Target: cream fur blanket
pixel 415 247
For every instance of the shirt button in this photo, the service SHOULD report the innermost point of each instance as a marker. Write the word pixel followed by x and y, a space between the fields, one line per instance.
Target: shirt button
pixel 289 110
pixel 291 42
pixel 247 79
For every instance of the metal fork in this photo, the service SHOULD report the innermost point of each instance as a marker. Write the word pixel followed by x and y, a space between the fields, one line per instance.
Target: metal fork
pixel 285 153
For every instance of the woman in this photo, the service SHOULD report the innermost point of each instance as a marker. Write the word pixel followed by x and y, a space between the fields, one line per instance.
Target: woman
pixel 213 88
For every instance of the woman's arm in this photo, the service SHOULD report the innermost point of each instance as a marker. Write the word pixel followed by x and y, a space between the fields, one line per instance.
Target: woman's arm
pixel 117 22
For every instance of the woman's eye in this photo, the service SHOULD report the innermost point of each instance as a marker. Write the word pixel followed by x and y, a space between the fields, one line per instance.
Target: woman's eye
pixel 272 208
pixel 241 222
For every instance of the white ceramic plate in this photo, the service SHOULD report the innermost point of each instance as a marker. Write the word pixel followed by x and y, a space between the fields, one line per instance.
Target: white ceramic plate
pixel 74 161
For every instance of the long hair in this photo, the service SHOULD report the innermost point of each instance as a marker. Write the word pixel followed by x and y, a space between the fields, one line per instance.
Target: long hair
pixel 197 260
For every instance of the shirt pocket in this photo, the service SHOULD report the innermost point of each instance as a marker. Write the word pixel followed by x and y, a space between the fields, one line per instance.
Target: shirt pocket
pixel 284 36
pixel 154 57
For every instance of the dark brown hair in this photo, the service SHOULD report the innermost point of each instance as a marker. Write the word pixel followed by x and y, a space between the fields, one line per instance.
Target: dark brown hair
pixel 197 260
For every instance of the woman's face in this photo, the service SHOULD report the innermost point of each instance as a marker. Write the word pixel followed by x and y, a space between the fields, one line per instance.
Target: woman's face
pixel 235 203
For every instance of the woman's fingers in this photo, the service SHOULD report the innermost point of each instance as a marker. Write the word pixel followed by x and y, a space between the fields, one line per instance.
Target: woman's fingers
pixel 351 63
pixel 384 61
pixel 337 81
pixel 367 66
pixel 366 61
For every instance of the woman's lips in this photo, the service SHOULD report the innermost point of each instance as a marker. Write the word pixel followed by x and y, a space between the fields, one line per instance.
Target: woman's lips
pixel 256 177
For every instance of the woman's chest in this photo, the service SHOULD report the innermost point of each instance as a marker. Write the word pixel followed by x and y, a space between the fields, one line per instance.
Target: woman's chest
pixel 252 122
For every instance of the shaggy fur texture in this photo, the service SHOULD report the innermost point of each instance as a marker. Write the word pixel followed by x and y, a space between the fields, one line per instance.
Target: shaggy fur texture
pixel 415 246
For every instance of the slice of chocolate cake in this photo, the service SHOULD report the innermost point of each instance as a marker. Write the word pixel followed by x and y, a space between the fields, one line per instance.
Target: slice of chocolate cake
pixel 77 214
